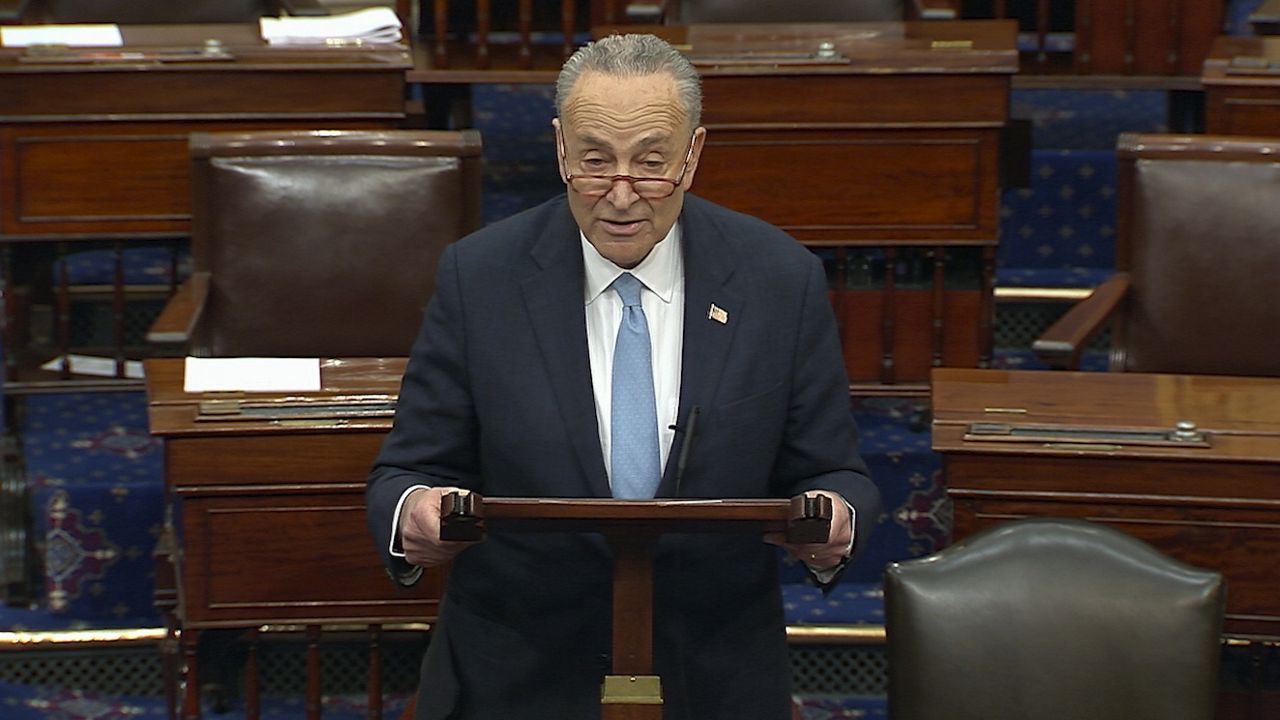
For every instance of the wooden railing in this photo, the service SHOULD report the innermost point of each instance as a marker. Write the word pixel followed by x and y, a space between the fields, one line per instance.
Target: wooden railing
pixel 1112 37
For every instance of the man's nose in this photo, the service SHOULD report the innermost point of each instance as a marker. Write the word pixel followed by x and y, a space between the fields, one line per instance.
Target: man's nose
pixel 621 193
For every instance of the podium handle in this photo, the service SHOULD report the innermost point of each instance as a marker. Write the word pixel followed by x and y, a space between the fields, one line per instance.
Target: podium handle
pixel 461 517
pixel 810 520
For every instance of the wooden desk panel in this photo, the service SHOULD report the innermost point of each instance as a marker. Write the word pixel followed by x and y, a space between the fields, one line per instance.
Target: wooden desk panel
pixel 894 140
pixel 271 511
pixel 858 186
pixel 303 558
pixel 1216 507
pixel 1242 98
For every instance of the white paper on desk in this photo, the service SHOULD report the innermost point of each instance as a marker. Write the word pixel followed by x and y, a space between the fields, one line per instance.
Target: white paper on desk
pixel 371 25
pixel 93 35
pixel 251 374
pixel 94 365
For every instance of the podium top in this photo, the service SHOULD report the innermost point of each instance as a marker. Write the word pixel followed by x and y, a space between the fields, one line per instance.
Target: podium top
pixel 467 516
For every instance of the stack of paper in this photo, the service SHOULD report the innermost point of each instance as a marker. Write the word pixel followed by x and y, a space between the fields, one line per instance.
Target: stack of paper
pixel 61 35
pixel 376 25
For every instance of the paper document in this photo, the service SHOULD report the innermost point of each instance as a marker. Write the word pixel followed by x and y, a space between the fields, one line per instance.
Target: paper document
pixel 103 35
pixel 251 374
pixel 375 25
pixel 94 365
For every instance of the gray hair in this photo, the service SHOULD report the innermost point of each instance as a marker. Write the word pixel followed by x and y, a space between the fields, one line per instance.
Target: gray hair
pixel 632 56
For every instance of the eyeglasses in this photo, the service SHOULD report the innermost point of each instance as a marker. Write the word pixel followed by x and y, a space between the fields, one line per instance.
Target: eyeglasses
pixel 650 188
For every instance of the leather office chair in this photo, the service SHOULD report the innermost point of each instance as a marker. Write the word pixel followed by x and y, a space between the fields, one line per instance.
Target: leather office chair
pixel 319 244
pixel 1046 619
pixel 684 12
pixel 1196 261
pixel 153 11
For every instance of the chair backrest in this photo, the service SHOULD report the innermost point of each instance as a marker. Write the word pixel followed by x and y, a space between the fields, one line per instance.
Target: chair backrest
pixel 152 11
pixel 1199 224
pixel 763 11
pixel 325 243
pixel 1047 619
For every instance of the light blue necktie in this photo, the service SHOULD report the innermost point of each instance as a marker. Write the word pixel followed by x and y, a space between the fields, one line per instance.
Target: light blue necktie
pixel 634 417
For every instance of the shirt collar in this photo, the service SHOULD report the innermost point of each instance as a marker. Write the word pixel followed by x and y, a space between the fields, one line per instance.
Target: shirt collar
pixel 659 271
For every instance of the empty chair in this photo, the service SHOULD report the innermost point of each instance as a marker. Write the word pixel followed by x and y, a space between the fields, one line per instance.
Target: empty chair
pixel 319 244
pixel 1196 261
pixel 1046 619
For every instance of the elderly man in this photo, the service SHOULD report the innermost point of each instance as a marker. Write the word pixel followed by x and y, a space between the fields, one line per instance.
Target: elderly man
pixel 565 352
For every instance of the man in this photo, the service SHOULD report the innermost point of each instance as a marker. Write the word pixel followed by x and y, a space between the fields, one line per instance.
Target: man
pixel 511 391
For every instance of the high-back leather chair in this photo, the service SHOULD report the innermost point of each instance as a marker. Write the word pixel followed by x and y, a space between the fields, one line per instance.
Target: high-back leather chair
pixel 1197 258
pixel 155 11
pixel 319 244
pixel 1045 619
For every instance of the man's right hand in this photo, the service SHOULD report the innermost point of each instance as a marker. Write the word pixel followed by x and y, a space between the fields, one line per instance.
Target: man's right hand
pixel 420 528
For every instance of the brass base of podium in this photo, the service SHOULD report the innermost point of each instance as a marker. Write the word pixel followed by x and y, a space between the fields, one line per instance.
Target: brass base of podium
pixel 631 697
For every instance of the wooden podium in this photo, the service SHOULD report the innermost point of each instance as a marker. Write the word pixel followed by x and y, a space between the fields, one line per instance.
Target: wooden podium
pixel 632 691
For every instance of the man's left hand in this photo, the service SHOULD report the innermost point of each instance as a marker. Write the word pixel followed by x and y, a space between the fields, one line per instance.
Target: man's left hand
pixel 823 556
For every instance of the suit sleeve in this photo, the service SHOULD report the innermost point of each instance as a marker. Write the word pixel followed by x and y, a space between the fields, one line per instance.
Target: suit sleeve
pixel 819 450
pixel 433 439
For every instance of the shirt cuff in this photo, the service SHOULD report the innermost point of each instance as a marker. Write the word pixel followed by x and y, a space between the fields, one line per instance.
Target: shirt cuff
pixel 396 547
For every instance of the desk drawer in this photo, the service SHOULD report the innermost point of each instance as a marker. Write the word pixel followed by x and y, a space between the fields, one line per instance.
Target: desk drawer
pixel 305 558
pixel 285 462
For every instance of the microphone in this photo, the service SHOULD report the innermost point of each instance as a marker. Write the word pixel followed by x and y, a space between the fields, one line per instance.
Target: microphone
pixel 691 423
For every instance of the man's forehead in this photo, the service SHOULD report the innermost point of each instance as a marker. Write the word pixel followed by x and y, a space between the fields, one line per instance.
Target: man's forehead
pixel 598 93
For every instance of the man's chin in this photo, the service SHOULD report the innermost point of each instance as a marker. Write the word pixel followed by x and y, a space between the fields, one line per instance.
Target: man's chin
pixel 622 250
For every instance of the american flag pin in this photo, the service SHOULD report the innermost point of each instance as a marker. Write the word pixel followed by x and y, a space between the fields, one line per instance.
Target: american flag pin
pixel 718 314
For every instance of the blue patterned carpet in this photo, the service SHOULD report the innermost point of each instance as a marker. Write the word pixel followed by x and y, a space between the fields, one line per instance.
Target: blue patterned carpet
pixel 25 702
pixel 96 481
pixel 21 702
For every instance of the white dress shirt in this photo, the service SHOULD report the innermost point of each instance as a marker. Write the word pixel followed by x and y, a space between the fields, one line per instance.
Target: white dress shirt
pixel 662 275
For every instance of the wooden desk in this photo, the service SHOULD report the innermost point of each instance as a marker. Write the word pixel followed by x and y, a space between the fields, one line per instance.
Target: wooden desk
pixel 269 513
pixel 1214 505
pixel 1241 82
pixel 1266 19
pixel 99 148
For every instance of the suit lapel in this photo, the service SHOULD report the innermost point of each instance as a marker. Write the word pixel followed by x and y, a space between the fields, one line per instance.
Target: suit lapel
pixel 711 311
pixel 553 300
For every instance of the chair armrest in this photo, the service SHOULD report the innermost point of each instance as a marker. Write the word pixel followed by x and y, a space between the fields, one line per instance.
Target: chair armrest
pixel 932 10
pixel 12 10
pixel 303 8
pixel 177 321
pixel 1060 346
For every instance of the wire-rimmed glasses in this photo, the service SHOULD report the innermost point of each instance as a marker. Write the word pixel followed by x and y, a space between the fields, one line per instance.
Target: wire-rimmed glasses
pixel 650 188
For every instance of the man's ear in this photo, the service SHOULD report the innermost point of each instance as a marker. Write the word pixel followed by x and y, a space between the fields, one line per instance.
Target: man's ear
pixel 699 139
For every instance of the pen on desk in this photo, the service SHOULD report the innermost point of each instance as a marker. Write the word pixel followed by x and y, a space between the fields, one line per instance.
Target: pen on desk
pixel 685 443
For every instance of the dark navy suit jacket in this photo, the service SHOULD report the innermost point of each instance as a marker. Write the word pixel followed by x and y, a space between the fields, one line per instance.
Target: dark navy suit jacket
pixel 497 397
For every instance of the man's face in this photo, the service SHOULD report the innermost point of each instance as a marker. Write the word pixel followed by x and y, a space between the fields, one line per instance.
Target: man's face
pixel 632 126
